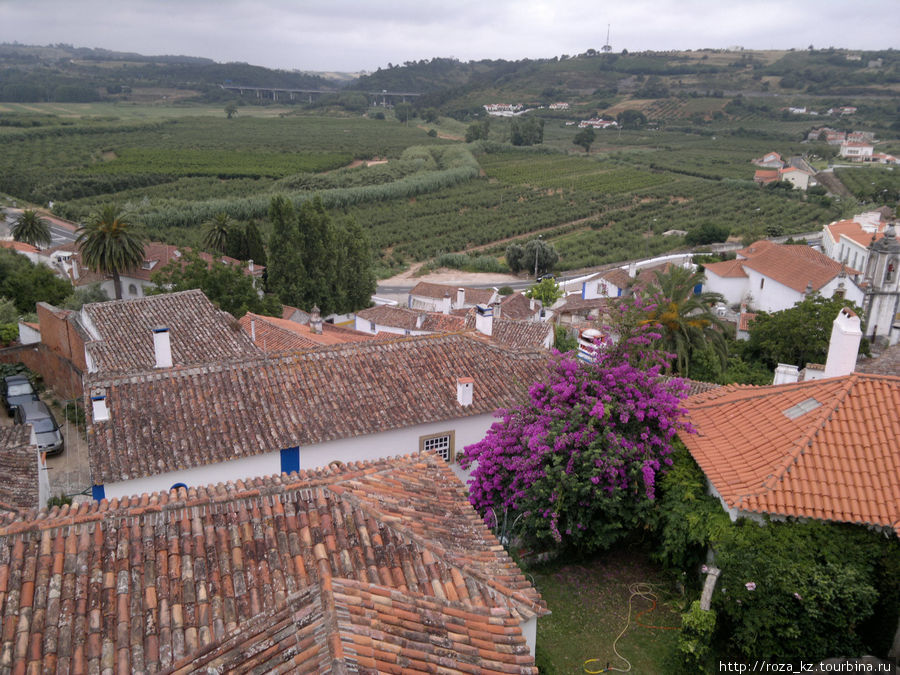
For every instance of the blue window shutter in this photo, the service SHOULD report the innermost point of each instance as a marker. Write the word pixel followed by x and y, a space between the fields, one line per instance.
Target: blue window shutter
pixel 290 460
pixel 98 492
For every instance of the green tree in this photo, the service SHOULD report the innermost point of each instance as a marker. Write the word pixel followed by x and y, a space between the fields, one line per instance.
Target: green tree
pixel 26 284
pixel 546 290
pixel 353 278
pixel 528 131
pixel 707 233
pixel 285 272
pixel 31 228
pixel 403 111
pixel 9 313
pixel 109 245
pixel 478 131
pixel 631 119
pixel 215 232
pixel 85 295
pixel 228 286
pixel 515 255
pixel 230 110
pixel 686 318
pixel 798 335
pixel 585 139
pixel 540 256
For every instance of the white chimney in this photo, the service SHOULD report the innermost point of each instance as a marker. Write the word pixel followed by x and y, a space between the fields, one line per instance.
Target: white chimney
pixel 420 320
pixel 75 273
pixel 100 411
pixel 484 319
pixel 464 387
pixel 786 374
pixel 531 304
pixel 496 309
pixel 253 330
pixel 315 320
pixel 446 308
pixel 843 347
pixel 250 266
pixel 632 270
pixel 460 297
pixel 162 347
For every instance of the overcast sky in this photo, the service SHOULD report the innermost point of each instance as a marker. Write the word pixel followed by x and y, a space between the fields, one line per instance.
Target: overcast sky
pixel 353 35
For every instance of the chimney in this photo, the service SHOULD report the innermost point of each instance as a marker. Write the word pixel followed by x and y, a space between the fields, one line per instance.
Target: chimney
pixel 253 330
pixel 446 308
pixel 75 273
pixel 632 270
pixel 250 265
pixel 496 309
pixel 531 304
pixel 786 374
pixel 100 411
pixel 484 319
pixel 420 320
pixel 315 320
pixel 460 297
pixel 844 344
pixel 162 347
pixel 464 387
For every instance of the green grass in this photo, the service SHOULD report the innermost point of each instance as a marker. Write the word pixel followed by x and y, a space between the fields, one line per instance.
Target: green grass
pixel 589 605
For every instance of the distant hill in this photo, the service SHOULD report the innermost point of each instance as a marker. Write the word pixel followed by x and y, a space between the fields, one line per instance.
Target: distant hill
pixel 62 73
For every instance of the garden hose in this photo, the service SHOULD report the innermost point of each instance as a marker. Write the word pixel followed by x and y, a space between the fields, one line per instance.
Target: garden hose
pixel 639 589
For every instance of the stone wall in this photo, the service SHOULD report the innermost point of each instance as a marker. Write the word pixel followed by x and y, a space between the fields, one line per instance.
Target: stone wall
pixel 59 373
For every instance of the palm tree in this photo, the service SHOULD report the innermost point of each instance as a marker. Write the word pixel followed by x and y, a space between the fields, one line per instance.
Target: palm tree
pixel 215 236
pixel 108 244
pixel 686 318
pixel 31 229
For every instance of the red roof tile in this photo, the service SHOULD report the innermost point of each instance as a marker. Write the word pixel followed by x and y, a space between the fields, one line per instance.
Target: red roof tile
pixel 517 306
pixel 410 319
pixel 727 268
pixel 855 232
pixel 374 567
pixel 19 246
pixel 792 266
pixel 473 296
pixel 280 335
pixel 827 449
pixel 19 468
pixel 191 416
pixel 516 334
pixel 199 333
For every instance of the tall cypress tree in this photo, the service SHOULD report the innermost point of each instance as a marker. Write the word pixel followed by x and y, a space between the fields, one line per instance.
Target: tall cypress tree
pixel 285 270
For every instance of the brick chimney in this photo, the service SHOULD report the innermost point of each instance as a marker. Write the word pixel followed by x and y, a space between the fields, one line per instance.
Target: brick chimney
pixel 315 320
pixel 464 390
pixel 843 346
pixel 162 347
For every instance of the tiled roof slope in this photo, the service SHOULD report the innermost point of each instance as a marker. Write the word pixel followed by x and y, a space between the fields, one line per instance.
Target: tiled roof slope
pixel 517 306
pixel 193 416
pixel 839 460
pixel 474 296
pixel 855 232
pixel 315 572
pixel 199 332
pixel 793 266
pixel 516 334
pixel 409 319
pixel 280 335
pixel 727 268
pixel 886 363
pixel 19 468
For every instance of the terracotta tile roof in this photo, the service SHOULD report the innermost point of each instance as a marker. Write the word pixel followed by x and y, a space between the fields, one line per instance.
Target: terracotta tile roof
pixel 19 468
pixel 376 567
pixel 827 449
pixel 618 277
pixel 19 246
pixel 410 319
pixel 517 306
pixel 692 387
pixel 280 335
pixel 196 415
pixel 515 334
pixel 473 296
pixel 886 363
pixel 746 318
pixel 792 266
pixel 854 231
pixel 766 175
pixel 727 268
pixel 575 304
pixel 199 333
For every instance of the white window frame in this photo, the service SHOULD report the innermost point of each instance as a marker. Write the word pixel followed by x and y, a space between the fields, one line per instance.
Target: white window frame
pixel 439 442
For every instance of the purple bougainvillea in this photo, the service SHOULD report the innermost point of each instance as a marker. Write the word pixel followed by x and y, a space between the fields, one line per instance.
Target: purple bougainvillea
pixel 578 464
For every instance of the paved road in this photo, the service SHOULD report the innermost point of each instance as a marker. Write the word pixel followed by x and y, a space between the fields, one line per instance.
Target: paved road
pixel 61 231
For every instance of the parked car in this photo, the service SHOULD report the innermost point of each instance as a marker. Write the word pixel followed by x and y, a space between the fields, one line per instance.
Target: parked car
pixel 16 389
pixel 46 430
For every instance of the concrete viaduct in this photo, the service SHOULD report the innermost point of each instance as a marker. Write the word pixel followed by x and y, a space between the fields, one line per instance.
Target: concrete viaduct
pixel 383 98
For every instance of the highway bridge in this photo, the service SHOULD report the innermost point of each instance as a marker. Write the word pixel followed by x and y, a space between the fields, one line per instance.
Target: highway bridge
pixel 383 98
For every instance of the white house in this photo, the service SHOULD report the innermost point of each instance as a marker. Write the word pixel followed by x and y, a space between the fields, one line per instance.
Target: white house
pixel 405 321
pixel 772 277
pixel 848 241
pixel 771 160
pixel 610 284
pixel 857 150
pixel 441 298
pixel 153 428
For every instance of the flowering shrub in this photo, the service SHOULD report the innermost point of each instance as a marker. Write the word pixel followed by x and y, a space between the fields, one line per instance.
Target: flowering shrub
pixel 578 463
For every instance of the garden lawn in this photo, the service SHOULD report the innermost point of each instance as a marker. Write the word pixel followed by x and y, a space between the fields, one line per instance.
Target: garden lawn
pixel 589 605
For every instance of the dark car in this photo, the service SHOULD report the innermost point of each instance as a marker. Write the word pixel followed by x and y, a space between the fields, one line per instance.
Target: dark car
pixel 46 430
pixel 16 389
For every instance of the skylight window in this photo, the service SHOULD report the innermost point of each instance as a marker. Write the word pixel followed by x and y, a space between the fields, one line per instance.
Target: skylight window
pixel 801 408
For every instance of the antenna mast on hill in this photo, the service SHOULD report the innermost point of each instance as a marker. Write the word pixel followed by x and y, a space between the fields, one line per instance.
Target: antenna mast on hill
pixel 607 47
